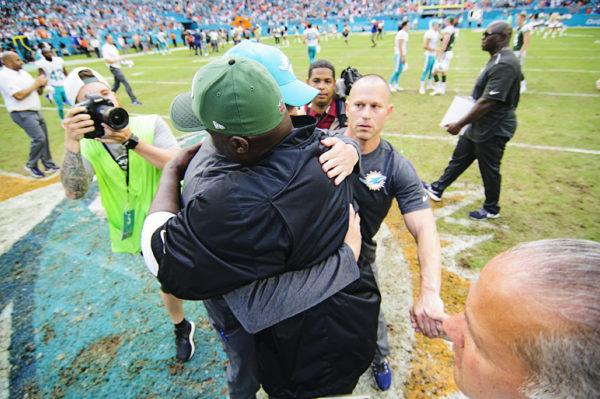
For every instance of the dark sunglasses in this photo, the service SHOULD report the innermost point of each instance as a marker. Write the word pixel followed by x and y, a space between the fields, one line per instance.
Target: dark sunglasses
pixel 488 34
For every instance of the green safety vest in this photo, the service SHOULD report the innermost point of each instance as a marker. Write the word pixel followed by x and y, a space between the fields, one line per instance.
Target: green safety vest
pixel 117 197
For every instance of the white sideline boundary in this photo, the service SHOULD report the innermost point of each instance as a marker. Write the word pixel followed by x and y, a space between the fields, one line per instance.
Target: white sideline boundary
pixel 510 143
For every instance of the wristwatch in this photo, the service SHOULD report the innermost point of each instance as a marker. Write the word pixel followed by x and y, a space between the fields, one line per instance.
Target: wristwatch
pixel 132 142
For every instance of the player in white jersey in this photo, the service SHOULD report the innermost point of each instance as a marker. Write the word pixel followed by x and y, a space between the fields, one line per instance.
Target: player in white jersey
pixel 442 63
pixel 521 38
pixel 430 44
pixel 54 69
pixel 400 47
pixel 311 38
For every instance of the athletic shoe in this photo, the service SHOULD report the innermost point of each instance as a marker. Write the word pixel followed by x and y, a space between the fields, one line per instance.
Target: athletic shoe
pixel 435 92
pixel 421 91
pixel 136 102
pixel 35 172
pixel 184 341
pixel 382 375
pixel 52 168
pixel 393 89
pixel 433 194
pixel 481 214
pixel 398 88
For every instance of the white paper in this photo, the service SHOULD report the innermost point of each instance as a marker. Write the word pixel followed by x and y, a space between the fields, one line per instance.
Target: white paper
pixel 458 109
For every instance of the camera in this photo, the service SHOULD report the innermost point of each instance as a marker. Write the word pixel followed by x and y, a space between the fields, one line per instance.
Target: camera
pixel 345 82
pixel 101 110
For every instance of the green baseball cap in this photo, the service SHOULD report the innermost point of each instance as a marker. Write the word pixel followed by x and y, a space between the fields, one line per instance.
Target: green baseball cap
pixel 234 96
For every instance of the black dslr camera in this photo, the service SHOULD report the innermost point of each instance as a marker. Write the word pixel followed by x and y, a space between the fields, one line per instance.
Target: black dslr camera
pixel 101 110
pixel 345 82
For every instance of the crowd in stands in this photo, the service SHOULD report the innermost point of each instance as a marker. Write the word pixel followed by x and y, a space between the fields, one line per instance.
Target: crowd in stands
pixel 89 19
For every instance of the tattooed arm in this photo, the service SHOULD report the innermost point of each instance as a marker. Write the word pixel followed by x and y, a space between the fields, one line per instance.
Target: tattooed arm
pixel 73 175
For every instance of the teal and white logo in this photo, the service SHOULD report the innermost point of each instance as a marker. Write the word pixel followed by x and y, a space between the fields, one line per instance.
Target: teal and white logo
pixel 374 180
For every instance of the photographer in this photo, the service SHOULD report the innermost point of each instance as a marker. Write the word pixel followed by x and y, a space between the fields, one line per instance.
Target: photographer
pixel 127 159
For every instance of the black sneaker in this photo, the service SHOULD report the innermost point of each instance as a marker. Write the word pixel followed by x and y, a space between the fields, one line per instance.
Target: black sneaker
pixel 52 168
pixel 35 172
pixel 482 213
pixel 433 194
pixel 184 341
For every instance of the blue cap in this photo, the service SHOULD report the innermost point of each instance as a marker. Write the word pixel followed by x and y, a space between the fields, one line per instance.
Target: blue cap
pixel 435 21
pixel 295 92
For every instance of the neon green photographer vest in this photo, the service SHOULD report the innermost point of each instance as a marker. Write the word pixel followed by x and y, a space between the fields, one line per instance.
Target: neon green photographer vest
pixel 117 197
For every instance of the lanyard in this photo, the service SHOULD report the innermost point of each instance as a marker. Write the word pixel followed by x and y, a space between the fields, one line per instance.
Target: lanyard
pixel 119 165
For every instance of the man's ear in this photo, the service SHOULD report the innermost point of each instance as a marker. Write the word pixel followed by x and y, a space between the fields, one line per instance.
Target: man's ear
pixel 239 144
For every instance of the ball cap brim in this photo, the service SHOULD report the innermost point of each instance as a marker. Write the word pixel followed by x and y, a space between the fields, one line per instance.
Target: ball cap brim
pixel 182 114
pixel 297 93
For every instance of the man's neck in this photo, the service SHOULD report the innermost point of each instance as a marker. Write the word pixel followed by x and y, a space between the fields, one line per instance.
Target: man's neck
pixel 366 146
pixel 498 51
pixel 320 109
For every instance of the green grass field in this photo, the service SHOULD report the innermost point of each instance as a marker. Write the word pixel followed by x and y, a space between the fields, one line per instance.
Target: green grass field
pixel 546 193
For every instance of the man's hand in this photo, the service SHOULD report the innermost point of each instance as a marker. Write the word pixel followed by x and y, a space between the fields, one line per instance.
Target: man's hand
pixel 427 314
pixel 180 162
pixel 353 237
pixel 453 128
pixel 114 136
pixel 40 81
pixel 339 160
pixel 76 124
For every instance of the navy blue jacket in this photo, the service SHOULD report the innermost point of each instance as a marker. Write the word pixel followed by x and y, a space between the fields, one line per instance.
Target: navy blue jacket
pixel 244 223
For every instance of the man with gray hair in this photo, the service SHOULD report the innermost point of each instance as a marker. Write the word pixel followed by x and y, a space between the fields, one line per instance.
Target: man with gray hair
pixel 531 325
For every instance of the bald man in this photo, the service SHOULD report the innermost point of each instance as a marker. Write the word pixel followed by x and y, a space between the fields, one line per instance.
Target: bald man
pixel 489 124
pixel 390 176
pixel 21 97
pixel 531 324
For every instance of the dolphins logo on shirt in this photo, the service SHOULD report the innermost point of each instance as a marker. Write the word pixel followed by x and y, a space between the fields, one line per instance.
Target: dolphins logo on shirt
pixel 374 180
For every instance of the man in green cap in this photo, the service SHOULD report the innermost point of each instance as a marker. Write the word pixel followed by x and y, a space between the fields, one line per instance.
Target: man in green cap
pixel 257 205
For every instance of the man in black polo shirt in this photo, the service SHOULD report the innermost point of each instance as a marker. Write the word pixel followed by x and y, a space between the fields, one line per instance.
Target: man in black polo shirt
pixel 489 124
pixel 388 176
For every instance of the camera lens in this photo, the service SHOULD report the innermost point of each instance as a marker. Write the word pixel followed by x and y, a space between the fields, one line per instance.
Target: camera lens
pixel 116 118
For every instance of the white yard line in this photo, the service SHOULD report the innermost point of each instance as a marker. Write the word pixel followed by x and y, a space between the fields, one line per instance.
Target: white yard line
pixel 510 143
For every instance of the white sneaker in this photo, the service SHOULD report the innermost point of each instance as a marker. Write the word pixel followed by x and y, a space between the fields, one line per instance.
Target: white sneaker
pixel 392 88
pixel 398 88
pixel 435 92
pixel 421 91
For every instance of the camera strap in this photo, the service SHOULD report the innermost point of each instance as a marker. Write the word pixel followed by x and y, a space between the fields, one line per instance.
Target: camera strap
pixel 128 212
pixel 126 168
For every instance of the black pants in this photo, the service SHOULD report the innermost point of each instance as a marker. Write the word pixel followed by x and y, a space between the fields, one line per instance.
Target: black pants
pixel 488 155
pixel 120 78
